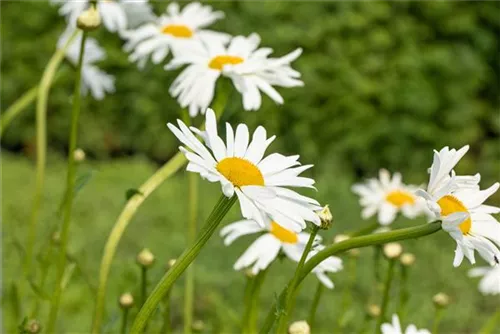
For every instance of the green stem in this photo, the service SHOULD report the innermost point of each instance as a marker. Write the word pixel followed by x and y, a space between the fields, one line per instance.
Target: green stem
pixel 489 326
pixel 357 242
pixel 124 321
pixel 247 304
pixel 70 185
pixel 43 278
pixel 182 263
pixel 41 143
pixel 166 328
pixel 282 320
pixel 253 313
pixel 437 319
pixel 144 284
pixel 19 105
pixel 191 236
pixel 314 306
pixel 385 298
pixel 403 293
pixel 128 212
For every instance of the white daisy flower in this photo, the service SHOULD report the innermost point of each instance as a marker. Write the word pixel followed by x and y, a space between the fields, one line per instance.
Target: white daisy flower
pixel 395 328
pixel 458 202
pixel 173 30
pixel 113 13
pixel 265 249
pixel 247 65
pixel 490 282
pixel 239 165
pixel 387 197
pixel 98 82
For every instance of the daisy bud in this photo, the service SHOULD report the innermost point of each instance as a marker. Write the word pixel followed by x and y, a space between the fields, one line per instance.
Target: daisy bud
pixel 145 258
pixel 340 237
pixel 248 273
pixel 393 250
pixel 441 300
pixel 33 326
pixel 79 155
pixel 373 310
pixel 355 252
pixel 407 259
pixel 198 326
pixel 299 327
pixel 56 238
pixel 126 300
pixel 171 263
pixel 89 20
pixel 326 218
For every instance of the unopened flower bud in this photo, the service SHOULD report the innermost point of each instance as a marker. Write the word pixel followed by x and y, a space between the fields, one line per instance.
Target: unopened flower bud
pixel 249 273
pixel 33 326
pixel 325 217
pixel 126 300
pixel 171 263
pixel 198 326
pixel 299 327
pixel 89 20
pixel 373 310
pixel 56 238
pixel 407 259
pixel 79 155
pixel 393 250
pixel 339 238
pixel 145 258
pixel 441 300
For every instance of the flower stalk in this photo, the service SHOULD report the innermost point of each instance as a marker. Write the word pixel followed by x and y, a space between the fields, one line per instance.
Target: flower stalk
pixel 219 211
pixel 282 320
pixel 42 94
pixel 70 185
pixel 314 306
pixel 385 297
pixel 343 246
pixel 253 313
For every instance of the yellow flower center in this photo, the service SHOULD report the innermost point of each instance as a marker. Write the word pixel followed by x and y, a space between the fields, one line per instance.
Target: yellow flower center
pixel 179 31
pixel 399 198
pixel 450 204
pixel 217 63
pixel 283 234
pixel 240 172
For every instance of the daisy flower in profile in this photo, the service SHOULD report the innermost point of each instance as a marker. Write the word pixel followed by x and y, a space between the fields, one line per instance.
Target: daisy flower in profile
pixel 239 165
pixel 266 248
pixel 490 282
pixel 386 197
pixel 173 30
pixel 98 82
pixel 458 202
pixel 113 13
pixel 395 328
pixel 248 66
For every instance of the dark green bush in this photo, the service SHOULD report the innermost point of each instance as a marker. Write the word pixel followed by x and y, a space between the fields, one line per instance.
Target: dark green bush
pixel 384 83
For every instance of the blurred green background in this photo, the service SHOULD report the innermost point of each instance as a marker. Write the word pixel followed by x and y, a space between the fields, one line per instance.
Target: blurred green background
pixel 385 83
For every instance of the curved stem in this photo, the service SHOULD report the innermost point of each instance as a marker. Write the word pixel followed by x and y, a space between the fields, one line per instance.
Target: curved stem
pixel 128 212
pixel 41 143
pixel 19 105
pixel 146 311
pixel 357 242
pixel 385 298
pixel 191 235
pixel 70 185
pixel 314 306
pixel 282 320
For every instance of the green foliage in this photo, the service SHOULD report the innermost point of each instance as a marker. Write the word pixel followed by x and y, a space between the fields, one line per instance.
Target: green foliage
pixel 382 80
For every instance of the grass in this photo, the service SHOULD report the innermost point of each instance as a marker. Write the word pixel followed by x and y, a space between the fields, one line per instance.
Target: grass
pixel 160 225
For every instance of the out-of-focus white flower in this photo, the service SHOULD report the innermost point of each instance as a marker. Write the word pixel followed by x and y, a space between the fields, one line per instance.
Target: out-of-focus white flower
pixel 387 197
pixel 248 66
pixel 98 82
pixel 174 30
pixel 114 14
pixel 265 249
pixel 458 202
pixel 240 167
pixel 395 328
pixel 490 282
